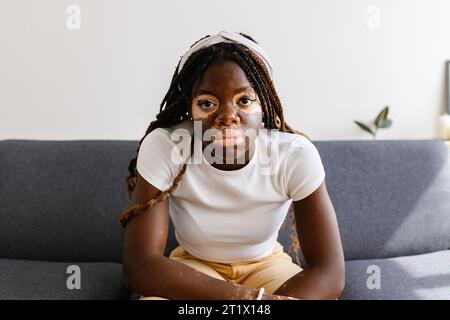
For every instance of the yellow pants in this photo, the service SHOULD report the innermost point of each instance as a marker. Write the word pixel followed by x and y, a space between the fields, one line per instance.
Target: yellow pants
pixel 269 272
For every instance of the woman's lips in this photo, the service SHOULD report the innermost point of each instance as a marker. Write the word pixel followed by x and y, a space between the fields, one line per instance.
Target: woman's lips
pixel 228 138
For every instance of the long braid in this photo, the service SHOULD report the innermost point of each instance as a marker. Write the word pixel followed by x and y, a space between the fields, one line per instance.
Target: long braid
pixel 270 89
pixel 175 106
pixel 248 66
pixel 171 97
pixel 170 114
pixel 137 209
pixel 255 81
pixel 266 84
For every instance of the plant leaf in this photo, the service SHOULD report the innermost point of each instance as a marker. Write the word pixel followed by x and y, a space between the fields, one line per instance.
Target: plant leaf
pixel 381 117
pixel 386 124
pixel 364 127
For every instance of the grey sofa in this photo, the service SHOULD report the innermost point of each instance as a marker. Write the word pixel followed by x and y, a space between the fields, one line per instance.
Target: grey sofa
pixel 60 201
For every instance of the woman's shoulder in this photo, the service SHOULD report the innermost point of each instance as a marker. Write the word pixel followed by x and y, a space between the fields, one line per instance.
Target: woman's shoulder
pixel 166 134
pixel 185 125
pixel 293 138
pixel 285 141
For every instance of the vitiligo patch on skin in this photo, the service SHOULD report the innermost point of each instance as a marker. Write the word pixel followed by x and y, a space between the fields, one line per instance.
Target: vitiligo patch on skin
pixel 200 112
pixel 224 100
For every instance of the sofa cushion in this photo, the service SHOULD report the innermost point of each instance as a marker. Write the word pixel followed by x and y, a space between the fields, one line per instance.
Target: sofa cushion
pixel 25 279
pixel 422 277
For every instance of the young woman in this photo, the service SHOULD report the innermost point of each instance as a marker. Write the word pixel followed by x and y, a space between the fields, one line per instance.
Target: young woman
pixel 227 205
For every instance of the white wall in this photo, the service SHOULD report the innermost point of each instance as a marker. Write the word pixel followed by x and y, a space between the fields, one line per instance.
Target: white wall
pixel 106 80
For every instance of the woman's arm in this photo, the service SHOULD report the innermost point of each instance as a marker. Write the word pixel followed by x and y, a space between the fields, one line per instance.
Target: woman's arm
pixel 318 234
pixel 147 271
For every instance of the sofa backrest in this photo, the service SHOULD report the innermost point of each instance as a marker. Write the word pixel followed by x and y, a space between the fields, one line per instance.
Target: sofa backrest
pixel 60 200
pixel 392 197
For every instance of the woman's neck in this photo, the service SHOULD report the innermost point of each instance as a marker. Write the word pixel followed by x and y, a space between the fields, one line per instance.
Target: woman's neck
pixel 237 163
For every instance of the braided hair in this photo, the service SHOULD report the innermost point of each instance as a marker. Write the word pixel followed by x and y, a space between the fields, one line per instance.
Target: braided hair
pixel 175 108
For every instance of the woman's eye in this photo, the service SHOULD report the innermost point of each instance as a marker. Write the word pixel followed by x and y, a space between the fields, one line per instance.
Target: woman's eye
pixel 206 104
pixel 246 101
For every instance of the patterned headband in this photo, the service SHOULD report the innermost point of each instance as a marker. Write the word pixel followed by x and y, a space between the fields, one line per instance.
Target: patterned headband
pixel 225 36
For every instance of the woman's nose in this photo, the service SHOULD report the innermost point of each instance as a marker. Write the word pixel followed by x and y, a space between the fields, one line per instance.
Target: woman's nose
pixel 227 115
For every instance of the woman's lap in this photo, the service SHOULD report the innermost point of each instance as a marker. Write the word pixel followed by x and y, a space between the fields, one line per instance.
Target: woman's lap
pixel 269 272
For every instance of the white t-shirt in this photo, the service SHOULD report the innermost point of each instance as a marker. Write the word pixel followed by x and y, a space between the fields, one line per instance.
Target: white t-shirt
pixel 230 216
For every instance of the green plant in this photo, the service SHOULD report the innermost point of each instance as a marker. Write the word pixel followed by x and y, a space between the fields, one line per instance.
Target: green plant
pixel 380 122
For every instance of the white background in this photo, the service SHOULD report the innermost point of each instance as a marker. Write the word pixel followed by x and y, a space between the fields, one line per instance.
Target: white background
pixel 107 80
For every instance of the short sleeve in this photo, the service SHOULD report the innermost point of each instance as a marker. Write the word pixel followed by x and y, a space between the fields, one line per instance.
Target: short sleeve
pixel 304 171
pixel 157 162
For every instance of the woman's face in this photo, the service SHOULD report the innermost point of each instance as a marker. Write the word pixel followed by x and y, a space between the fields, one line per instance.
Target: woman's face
pixel 223 99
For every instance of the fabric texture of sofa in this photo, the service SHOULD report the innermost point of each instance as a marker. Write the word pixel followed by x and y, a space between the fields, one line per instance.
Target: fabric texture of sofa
pixel 60 201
